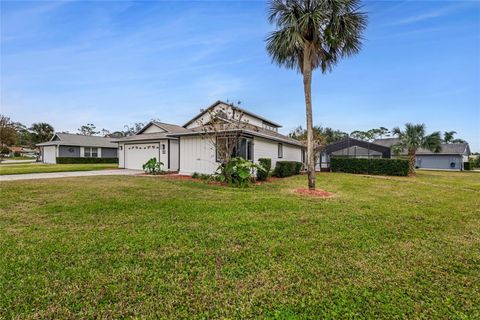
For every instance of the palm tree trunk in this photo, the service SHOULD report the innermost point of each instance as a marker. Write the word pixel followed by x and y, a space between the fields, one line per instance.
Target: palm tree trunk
pixel 412 158
pixel 307 88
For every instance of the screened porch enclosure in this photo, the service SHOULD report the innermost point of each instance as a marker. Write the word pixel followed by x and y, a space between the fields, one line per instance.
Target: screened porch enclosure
pixel 350 148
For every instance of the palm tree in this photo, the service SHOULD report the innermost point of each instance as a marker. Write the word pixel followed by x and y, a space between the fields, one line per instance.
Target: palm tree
pixel 448 136
pixel 414 138
pixel 314 34
pixel 42 132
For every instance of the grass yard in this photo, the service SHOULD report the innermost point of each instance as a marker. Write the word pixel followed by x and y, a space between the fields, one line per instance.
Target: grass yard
pixel 136 246
pixel 40 167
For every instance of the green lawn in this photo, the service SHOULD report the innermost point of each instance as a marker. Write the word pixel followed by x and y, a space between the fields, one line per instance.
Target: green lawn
pixel 40 167
pixel 153 247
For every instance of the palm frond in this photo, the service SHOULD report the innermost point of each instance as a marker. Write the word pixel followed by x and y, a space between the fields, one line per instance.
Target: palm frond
pixel 330 29
pixel 433 142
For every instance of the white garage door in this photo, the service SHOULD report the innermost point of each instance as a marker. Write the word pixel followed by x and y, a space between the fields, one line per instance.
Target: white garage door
pixel 137 154
pixel 49 154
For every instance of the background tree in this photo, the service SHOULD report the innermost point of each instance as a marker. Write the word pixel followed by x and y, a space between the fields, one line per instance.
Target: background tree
pixel 41 132
pixel 133 129
pixel 8 133
pixel 361 135
pixel 382 132
pixel 314 34
pixel 105 133
pixel 449 137
pixel 414 138
pixel 117 134
pixel 328 135
pixel 370 135
pixel 319 139
pixel 24 136
pixel 88 129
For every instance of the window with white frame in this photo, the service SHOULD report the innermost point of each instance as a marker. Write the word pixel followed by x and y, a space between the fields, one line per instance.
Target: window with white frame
pixel 280 150
pixel 91 152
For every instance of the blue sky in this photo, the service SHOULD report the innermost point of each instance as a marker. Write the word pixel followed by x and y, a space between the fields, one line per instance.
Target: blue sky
pixel 114 63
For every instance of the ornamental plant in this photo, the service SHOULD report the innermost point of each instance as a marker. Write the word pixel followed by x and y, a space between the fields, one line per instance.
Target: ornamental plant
pixel 237 172
pixel 153 166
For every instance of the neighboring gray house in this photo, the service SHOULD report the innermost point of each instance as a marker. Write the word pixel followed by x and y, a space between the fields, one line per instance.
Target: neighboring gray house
pixel 76 145
pixel 451 157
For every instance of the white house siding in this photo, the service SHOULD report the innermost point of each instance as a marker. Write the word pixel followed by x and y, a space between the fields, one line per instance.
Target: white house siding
pixel 264 148
pixel 174 161
pixel 439 162
pixel 49 154
pixel 121 155
pixel 153 129
pixel 197 155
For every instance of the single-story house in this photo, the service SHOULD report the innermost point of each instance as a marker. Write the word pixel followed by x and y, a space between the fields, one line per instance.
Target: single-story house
pixel 76 145
pixel 187 150
pixel 451 156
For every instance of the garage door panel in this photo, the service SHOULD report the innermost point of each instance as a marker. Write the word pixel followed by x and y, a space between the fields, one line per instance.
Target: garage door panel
pixel 138 154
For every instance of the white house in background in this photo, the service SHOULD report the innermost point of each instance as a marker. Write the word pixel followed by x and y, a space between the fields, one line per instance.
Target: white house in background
pixel 185 148
pixel 76 145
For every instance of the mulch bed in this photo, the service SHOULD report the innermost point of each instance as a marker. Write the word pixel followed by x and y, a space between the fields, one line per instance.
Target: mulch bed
pixel 314 193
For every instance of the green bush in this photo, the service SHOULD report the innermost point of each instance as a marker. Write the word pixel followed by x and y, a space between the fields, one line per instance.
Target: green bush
pixel 287 168
pixel 467 165
pixel 388 167
pixel 476 162
pixel 196 175
pixel 17 154
pixel 266 163
pixel 237 172
pixel 298 167
pixel 71 160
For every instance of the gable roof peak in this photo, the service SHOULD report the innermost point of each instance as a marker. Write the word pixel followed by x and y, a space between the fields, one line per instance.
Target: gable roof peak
pixel 231 105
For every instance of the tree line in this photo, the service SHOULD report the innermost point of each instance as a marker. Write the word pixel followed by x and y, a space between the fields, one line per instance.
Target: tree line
pixel 325 136
pixel 17 134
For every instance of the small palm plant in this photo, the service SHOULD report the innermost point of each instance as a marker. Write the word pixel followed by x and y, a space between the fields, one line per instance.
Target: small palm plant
pixel 153 166
pixel 414 138
pixel 314 34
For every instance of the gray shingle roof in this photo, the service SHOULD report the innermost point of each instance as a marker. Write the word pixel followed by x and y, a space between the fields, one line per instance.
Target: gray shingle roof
pixel 168 127
pixel 68 139
pixel 447 148
pixel 249 129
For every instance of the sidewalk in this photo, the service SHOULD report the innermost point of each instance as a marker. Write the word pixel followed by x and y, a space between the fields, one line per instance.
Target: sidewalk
pixel 51 175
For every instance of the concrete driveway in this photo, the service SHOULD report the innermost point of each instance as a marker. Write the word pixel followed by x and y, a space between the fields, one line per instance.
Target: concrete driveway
pixel 51 175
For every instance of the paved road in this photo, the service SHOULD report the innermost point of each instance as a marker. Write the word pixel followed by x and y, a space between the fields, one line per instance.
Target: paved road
pixel 51 175
pixel 20 161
